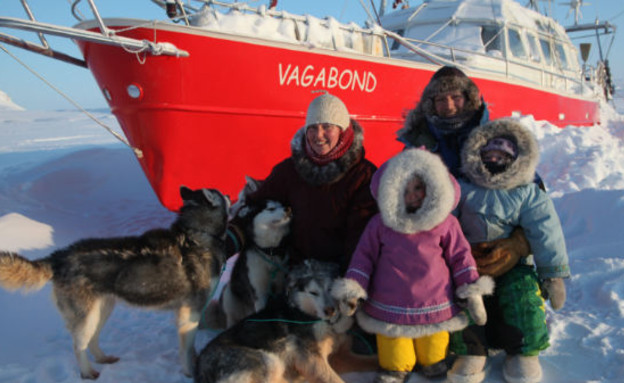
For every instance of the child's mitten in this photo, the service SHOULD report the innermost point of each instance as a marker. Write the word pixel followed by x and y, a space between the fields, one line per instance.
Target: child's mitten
pixel 554 289
pixel 473 294
pixel 348 293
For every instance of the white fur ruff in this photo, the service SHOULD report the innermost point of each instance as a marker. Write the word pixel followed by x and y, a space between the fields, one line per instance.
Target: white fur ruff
pixel 438 203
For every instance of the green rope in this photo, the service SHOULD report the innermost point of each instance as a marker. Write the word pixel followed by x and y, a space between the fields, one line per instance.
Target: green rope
pixel 284 321
pixel 276 266
pixel 356 334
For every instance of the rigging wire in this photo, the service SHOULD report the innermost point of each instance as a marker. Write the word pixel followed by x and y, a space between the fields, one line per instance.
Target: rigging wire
pixel 136 151
pixel 616 16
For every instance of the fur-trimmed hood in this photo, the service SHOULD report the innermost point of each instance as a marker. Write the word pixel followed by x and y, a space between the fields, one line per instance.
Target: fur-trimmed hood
pixel 390 181
pixel 332 172
pixel 416 117
pixel 522 169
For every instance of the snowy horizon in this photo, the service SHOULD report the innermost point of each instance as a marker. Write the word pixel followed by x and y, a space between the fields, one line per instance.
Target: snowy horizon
pixel 63 178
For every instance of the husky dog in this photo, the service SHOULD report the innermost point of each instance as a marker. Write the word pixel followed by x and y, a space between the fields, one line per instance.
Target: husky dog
pixel 261 264
pixel 172 269
pixel 289 339
pixel 251 185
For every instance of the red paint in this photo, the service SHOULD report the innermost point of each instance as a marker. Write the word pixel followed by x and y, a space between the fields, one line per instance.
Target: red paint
pixel 210 119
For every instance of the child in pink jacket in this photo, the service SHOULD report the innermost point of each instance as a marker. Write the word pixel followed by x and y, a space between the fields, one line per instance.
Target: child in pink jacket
pixel 412 266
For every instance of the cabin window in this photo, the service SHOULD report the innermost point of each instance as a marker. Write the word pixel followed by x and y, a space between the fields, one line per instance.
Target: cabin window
pixel 516 45
pixel 546 51
pixel 396 44
pixel 561 55
pixel 534 48
pixel 491 38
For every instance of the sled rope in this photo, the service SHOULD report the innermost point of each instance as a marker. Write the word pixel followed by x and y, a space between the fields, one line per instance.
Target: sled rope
pixel 356 334
pixel 276 266
pixel 284 321
pixel 136 151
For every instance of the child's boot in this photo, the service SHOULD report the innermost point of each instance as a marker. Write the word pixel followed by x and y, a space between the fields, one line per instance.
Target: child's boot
pixel 387 376
pixel 522 369
pixel 435 370
pixel 467 369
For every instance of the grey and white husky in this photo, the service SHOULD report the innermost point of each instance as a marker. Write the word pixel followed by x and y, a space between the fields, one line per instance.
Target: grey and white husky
pixel 172 269
pixel 288 340
pixel 261 264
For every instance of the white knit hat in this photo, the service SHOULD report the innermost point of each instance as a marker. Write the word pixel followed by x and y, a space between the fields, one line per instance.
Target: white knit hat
pixel 328 109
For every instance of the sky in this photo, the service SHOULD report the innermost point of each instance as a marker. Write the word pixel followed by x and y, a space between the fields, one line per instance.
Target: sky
pixel 63 178
pixel 27 90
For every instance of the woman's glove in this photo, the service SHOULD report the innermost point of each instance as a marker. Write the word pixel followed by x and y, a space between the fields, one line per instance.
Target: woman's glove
pixel 495 258
pixel 554 289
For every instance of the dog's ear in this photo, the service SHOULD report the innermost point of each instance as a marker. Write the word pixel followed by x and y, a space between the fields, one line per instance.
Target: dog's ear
pixel 252 184
pixel 211 197
pixel 243 212
pixel 214 197
pixel 187 194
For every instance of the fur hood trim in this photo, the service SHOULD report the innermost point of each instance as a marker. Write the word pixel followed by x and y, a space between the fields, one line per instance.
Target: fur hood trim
pixel 319 175
pixel 390 181
pixel 375 326
pixel 483 286
pixel 522 169
pixel 425 108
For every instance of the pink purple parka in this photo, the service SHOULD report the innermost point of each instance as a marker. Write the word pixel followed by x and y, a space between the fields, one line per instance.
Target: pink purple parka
pixel 410 265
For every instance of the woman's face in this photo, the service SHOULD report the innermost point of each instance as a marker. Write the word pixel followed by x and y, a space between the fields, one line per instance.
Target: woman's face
pixel 449 104
pixel 323 137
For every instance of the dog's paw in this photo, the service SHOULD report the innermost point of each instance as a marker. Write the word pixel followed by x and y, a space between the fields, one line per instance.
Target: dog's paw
pixel 91 374
pixel 348 293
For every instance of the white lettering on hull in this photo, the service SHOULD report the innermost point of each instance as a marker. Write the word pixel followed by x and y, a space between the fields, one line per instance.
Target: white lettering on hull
pixel 327 78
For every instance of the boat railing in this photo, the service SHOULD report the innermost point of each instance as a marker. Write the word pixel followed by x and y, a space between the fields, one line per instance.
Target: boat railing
pixel 374 38
pixel 417 50
pixel 511 68
pixel 103 36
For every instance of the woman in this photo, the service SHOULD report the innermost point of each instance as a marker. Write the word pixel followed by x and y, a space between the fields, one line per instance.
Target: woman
pixel 326 183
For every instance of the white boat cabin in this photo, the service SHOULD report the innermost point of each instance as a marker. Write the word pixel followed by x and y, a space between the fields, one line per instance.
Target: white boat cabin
pixel 497 36
pixel 491 36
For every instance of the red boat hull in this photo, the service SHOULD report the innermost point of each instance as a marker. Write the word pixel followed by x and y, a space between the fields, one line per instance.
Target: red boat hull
pixel 232 107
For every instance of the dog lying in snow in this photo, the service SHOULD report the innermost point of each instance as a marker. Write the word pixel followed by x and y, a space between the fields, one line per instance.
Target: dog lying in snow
pixel 289 339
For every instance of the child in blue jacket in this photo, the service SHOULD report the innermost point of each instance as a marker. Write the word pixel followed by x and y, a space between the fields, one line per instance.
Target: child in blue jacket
pixel 498 194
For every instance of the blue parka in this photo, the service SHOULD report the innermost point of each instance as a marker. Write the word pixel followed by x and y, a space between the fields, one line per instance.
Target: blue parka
pixel 491 206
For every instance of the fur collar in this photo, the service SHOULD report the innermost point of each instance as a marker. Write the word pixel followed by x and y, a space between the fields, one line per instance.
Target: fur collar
pixel 389 183
pixel 319 175
pixel 520 172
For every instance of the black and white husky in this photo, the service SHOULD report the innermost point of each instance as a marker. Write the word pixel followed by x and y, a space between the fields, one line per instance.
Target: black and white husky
pixel 171 269
pixel 260 267
pixel 289 339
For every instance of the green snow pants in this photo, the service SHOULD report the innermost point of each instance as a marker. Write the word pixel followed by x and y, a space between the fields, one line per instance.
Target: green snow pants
pixel 516 318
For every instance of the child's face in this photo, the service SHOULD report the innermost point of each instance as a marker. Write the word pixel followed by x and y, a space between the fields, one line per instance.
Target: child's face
pixel 415 193
pixel 495 156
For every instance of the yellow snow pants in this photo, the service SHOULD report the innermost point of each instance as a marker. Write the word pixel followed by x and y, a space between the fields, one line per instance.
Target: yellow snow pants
pixel 402 354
